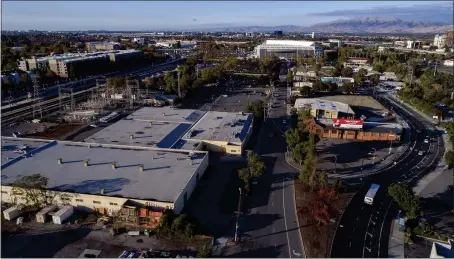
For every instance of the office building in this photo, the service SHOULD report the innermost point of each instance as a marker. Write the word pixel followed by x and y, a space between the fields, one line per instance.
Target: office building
pixel 313 35
pixel 288 49
pixel 449 41
pixel 278 33
pixel 440 41
pixel 413 44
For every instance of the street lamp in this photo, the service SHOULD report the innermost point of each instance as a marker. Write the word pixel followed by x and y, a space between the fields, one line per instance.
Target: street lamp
pixel 390 147
pixel 373 161
pixel 238 217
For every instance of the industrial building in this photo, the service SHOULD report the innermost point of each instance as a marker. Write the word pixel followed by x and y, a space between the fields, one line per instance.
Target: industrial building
pixel 223 132
pixel 288 49
pixel 325 109
pixel 160 127
pixel 103 177
pixel 96 46
pixel 165 127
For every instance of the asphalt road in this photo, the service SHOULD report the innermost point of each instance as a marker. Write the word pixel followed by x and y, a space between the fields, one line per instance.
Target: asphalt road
pixel 270 227
pixel 363 229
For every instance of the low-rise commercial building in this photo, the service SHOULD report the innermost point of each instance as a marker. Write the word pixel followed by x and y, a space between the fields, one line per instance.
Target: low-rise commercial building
pixel 449 41
pixel 354 129
pixel 222 132
pixel 102 177
pixel 324 109
pixel 413 44
pixel 288 49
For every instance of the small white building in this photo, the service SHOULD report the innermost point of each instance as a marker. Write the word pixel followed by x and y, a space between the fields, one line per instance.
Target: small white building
pixel 64 213
pixel 448 62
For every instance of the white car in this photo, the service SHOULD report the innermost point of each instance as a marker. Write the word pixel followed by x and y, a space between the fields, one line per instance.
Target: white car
pixel 426 141
pixel 284 121
pixel 420 153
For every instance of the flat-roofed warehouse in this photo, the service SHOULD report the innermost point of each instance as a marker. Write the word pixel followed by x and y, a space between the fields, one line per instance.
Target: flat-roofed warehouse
pixel 103 177
pixel 320 108
pixel 223 132
pixel 150 126
pixel 289 49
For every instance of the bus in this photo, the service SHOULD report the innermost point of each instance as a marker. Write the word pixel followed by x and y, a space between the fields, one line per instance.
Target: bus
pixel 370 195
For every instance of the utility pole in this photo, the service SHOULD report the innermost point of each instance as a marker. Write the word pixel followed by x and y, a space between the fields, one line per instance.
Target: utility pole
pixel 237 226
pixel 179 88
pixel 373 161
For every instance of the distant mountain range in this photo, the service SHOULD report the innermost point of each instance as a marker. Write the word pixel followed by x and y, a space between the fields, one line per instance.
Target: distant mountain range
pixel 362 25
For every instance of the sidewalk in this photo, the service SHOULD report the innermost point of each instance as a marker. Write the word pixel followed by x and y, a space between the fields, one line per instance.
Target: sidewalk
pixel 396 245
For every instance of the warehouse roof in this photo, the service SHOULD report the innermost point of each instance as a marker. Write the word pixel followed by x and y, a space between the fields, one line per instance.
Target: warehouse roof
pixel 167 114
pixel 221 126
pixel 164 176
pixel 166 128
pixel 320 104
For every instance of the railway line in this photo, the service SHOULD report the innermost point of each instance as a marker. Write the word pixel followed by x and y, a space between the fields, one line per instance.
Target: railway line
pixel 24 109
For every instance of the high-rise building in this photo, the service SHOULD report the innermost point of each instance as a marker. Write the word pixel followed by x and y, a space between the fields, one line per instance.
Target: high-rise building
pixel 313 35
pixel 449 38
pixel 440 41
pixel 278 33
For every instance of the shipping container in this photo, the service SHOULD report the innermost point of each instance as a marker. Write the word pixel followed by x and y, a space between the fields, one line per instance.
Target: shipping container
pixel 11 213
pixel 63 214
pixel 43 215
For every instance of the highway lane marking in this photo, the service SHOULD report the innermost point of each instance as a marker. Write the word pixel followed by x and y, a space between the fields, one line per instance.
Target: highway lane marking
pixel 365 236
pixel 285 219
pixel 381 229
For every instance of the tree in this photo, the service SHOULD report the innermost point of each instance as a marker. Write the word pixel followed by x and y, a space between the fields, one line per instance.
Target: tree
pixel 31 190
pixel 323 180
pixel 290 77
pixel 244 176
pixel 338 185
pixel 305 91
pixel 255 164
pixel 318 66
pixel 449 158
pixel 349 88
pixel 293 137
pixel 406 199
pixel 179 223
pixel 166 220
pixel 256 108
pixel 347 72
pixel 374 79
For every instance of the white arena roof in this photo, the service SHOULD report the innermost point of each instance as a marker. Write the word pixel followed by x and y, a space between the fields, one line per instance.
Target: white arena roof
pixel 293 43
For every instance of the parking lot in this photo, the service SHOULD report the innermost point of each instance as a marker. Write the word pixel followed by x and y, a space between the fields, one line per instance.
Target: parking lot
pixel 347 157
pixel 237 100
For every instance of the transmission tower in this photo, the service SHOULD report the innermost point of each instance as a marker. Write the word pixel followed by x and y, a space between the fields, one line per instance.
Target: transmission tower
pixel 132 92
pixel 37 109
pixel 64 93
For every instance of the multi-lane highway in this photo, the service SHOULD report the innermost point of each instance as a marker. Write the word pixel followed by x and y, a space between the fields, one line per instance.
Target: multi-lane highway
pixel 364 229
pixel 270 227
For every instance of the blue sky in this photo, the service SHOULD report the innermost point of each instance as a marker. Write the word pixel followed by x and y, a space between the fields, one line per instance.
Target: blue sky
pixel 152 15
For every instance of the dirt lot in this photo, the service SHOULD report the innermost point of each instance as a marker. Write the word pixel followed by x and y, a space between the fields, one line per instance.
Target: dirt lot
pixel 26 128
pixel 317 243
pixel 57 132
pixel 357 100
